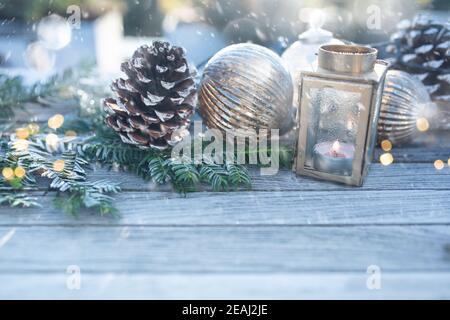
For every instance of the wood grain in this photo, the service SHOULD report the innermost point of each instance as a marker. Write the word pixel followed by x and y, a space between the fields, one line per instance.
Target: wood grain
pixel 404 176
pixel 229 249
pixel 336 285
pixel 288 238
pixel 254 208
pixel 393 177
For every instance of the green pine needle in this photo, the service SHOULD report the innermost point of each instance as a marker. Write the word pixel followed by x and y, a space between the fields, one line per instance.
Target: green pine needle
pixel 159 170
pixel 238 175
pixel 215 175
pixel 18 200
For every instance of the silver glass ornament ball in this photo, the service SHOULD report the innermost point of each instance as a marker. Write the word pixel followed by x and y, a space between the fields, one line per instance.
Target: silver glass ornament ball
pixel 246 87
pixel 405 100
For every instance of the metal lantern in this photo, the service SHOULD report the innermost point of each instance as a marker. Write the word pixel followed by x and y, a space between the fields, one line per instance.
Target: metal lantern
pixel 339 109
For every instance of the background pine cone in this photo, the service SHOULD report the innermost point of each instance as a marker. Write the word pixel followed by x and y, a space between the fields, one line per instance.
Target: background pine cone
pixel 422 48
pixel 153 105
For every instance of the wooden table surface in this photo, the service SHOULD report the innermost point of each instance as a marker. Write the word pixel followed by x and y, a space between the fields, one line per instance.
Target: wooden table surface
pixel 289 237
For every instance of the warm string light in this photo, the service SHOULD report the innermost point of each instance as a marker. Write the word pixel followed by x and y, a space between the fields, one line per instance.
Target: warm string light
pixel 22 133
pixel 8 173
pixel 19 172
pixel 33 128
pixel 422 124
pixel 20 144
pixel 386 159
pixel 58 165
pixel 70 133
pixel 439 164
pixel 386 145
pixel 56 121
pixel 52 140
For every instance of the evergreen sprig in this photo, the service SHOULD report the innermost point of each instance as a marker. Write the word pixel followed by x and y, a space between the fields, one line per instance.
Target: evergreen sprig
pixel 18 200
pixel 90 195
pixel 99 144
pixel 69 180
pixel 160 167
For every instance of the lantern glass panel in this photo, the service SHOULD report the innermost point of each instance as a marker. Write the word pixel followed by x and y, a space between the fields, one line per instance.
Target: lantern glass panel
pixel 334 116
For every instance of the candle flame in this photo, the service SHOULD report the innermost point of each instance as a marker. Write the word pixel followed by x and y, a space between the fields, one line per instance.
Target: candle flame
pixel 336 146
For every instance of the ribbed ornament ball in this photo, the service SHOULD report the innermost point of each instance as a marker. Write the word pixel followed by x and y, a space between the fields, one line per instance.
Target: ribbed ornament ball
pixel 246 87
pixel 405 100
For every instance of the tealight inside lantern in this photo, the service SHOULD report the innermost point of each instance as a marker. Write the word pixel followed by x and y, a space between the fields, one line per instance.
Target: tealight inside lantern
pixel 339 107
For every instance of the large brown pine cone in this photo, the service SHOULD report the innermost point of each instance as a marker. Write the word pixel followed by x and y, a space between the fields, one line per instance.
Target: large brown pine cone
pixel 422 48
pixel 153 104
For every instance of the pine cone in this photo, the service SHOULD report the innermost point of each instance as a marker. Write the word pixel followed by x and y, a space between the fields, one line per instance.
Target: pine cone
pixel 422 48
pixel 154 103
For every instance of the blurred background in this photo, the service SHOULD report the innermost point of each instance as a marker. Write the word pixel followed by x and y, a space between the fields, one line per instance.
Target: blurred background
pixel 38 37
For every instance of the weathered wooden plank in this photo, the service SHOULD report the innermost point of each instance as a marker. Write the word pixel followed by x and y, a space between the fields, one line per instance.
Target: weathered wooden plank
pixel 255 208
pixel 224 249
pixel 393 177
pixel 226 286
pixel 426 148
pixel 422 154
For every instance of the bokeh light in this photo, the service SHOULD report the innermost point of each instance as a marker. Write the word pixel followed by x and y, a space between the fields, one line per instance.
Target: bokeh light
pixel 56 121
pixel 40 58
pixel 20 144
pixel 33 128
pixel 386 145
pixel 58 165
pixel 386 159
pixel 19 172
pixel 8 173
pixel 439 164
pixel 422 124
pixel 70 134
pixel 52 140
pixel 22 133
pixel 54 32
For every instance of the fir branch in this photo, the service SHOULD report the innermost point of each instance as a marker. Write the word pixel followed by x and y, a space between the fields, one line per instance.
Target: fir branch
pixel 38 159
pixel 184 176
pixel 18 200
pixel 159 170
pixel 238 175
pixel 105 147
pixel 90 195
pixel 215 175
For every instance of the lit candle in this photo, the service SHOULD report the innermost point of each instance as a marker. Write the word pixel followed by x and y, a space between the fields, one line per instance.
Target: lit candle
pixel 334 157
